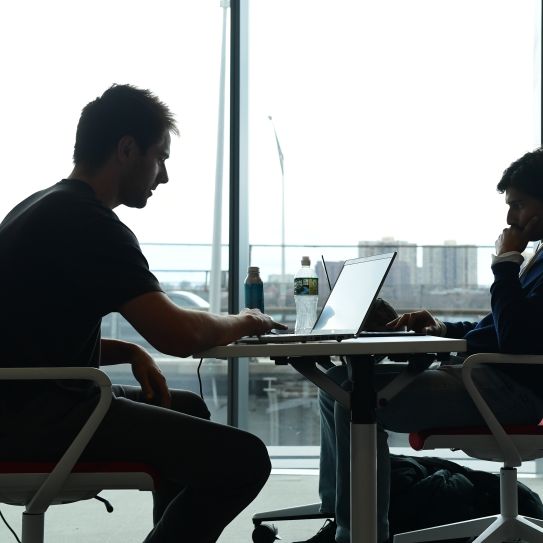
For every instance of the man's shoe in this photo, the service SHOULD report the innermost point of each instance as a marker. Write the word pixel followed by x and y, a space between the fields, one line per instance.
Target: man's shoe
pixel 327 534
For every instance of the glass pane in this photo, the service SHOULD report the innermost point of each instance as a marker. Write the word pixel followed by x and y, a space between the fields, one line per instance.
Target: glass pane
pixel 377 125
pixel 58 56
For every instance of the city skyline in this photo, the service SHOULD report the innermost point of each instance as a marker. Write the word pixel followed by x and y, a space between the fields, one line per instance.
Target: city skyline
pixel 191 262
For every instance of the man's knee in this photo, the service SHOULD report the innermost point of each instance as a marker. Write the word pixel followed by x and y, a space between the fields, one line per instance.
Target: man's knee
pixel 261 457
pixel 338 374
pixel 265 462
pixel 255 462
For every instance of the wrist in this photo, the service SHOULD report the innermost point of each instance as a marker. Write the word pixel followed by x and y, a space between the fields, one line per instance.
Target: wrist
pixel 134 353
pixel 117 351
pixel 509 256
pixel 246 321
pixel 251 322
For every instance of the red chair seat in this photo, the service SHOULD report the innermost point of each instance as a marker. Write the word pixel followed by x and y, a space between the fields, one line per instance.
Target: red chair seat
pixel 19 481
pixel 417 439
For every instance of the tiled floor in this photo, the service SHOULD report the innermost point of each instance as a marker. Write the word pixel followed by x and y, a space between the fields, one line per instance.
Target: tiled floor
pixel 88 522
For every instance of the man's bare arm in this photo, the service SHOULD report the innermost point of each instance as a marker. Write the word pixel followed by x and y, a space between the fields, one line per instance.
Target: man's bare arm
pixel 182 332
pixel 116 351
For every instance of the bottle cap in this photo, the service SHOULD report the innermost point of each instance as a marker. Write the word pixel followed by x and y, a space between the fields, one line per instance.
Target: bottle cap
pixel 306 261
pixel 253 269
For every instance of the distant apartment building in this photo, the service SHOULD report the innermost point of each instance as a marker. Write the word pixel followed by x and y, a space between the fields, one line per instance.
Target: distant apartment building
pixel 404 268
pixel 449 265
pixel 444 266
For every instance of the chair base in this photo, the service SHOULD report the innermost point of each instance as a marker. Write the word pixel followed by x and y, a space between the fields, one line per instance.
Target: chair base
pixel 493 529
pixel 292 513
pixel 33 528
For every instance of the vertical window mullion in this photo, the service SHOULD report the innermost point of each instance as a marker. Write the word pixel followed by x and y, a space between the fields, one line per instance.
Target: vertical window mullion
pixel 238 369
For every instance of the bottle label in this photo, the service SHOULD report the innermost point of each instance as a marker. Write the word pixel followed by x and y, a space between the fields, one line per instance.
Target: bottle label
pixel 254 296
pixel 306 285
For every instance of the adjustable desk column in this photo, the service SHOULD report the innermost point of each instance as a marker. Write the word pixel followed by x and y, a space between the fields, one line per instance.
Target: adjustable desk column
pixel 363 450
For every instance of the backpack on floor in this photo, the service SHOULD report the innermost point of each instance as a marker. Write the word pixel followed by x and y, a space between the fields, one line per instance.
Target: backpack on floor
pixel 429 491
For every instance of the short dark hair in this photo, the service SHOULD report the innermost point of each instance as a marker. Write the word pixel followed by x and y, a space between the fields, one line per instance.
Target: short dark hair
pixel 123 110
pixel 525 174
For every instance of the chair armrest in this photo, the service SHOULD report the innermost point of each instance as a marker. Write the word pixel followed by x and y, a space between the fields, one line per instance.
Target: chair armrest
pixel 511 455
pixel 56 479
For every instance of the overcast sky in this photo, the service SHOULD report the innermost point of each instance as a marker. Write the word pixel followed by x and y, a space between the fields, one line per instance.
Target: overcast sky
pixel 395 118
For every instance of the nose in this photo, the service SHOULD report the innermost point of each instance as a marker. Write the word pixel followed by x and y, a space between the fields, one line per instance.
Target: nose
pixel 510 217
pixel 163 176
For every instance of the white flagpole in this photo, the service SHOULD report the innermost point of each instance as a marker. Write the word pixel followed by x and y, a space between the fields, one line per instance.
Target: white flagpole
pixel 282 163
pixel 215 278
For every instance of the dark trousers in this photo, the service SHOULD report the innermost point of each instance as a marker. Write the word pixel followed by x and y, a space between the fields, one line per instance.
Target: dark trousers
pixel 208 472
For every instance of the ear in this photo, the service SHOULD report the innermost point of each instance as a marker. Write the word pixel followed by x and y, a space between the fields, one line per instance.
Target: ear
pixel 127 148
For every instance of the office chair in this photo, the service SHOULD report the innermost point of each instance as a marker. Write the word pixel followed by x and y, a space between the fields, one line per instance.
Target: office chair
pixel 37 485
pixel 510 445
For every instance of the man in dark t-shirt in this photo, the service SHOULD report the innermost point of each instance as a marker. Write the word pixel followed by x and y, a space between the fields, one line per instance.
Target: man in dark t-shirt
pixel 66 260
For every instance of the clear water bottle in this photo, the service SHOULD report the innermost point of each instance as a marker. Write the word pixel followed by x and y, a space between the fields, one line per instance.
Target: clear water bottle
pixel 254 289
pixel 306 296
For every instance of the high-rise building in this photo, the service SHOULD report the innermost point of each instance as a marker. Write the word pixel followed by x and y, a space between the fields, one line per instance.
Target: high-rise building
pixel 449 265
pixel 404 268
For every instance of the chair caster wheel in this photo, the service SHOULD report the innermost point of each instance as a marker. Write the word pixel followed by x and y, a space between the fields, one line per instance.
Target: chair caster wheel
pixel 265 533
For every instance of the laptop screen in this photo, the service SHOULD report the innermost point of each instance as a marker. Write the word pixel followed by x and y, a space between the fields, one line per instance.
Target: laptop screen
pixel 357 286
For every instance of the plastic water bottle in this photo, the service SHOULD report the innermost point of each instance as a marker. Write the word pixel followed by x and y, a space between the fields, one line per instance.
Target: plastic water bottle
pixel 306 296
pixel 254 289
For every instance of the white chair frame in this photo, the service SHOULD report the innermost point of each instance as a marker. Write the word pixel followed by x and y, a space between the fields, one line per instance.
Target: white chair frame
pixel 511 449
pixel 37 489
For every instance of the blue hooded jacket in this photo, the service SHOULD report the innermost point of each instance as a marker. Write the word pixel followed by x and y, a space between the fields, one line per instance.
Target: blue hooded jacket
pixel 515 324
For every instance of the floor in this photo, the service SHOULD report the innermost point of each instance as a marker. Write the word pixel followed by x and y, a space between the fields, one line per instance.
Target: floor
pixel 88 522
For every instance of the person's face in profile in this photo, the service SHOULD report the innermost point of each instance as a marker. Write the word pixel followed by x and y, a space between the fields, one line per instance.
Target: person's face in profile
pixel 143 172
pixel 522 208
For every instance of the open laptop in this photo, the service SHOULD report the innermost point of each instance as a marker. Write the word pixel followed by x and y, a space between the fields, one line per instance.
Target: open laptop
pixel 347 308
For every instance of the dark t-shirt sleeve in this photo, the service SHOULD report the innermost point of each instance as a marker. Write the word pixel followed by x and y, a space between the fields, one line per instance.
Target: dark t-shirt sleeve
pixel 113 270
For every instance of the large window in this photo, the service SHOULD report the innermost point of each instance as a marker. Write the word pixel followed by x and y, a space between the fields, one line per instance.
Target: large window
pixel 372 125
pixel 395 120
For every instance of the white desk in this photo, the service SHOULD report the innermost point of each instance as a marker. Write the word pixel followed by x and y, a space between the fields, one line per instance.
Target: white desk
pixel 361 400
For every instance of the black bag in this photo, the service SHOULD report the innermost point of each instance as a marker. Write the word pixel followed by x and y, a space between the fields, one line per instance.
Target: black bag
pixel 429 491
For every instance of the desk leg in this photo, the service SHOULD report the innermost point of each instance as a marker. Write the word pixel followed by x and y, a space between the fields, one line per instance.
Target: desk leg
pixel 363 451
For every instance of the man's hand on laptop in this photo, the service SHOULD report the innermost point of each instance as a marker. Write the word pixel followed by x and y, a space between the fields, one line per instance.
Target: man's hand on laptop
pixel 261 323
pixel 419 321
pixel 381 313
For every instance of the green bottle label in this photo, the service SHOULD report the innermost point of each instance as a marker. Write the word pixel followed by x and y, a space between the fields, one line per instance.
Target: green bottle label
pixel 306 285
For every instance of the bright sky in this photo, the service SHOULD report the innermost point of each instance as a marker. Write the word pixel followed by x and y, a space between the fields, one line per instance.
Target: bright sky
pixel 395 118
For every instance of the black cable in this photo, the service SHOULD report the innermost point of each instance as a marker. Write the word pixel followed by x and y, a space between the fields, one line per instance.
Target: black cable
pixel 9 527
pixel 200 378
pixel 109 507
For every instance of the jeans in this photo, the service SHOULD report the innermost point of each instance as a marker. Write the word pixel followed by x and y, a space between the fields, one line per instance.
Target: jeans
pixel 436 398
